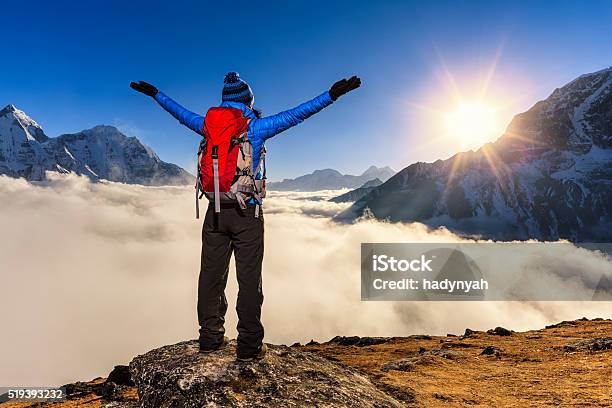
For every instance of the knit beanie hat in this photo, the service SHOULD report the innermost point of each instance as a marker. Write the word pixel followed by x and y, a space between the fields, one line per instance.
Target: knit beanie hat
pixel 235 89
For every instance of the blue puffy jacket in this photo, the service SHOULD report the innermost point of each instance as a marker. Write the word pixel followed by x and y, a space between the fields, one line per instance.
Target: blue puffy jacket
pixel 260 129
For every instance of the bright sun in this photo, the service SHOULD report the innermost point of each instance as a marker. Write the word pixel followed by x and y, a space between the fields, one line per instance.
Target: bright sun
pixel 472 125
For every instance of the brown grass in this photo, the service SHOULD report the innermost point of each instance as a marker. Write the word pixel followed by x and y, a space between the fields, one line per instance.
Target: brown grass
pixel 532 369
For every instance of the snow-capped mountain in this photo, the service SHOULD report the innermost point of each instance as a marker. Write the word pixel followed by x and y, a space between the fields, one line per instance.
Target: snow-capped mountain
pixel 373 172
pixel 102 152
pixel 548 176
pixel 330 179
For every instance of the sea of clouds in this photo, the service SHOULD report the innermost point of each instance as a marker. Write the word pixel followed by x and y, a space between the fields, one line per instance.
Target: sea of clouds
pixel 95 273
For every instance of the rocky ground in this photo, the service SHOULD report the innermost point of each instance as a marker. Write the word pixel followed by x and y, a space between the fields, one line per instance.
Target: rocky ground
pixel 566 364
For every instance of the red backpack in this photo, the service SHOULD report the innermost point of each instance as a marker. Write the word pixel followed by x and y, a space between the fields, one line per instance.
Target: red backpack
pixel 225 162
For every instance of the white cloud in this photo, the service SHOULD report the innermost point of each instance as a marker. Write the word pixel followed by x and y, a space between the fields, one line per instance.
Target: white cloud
pixel 93 274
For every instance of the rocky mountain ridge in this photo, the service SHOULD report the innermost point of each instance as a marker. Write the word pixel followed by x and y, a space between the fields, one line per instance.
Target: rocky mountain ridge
pixel 548 177
pixel 102 152
pixel 330 179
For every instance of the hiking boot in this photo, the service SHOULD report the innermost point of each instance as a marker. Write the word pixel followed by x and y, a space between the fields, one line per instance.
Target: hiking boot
pixel 258 356
pixel 219 347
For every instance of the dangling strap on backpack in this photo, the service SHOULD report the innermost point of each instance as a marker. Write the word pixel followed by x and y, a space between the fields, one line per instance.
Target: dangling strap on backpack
pixel 215 163
pixel 197 202
pixel 199 189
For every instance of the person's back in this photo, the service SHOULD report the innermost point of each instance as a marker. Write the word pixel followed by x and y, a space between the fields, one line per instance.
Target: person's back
pixel 236 224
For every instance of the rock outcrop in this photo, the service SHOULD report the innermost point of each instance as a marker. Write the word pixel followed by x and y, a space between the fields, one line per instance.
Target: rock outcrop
pixel 178 376
pixel 599 344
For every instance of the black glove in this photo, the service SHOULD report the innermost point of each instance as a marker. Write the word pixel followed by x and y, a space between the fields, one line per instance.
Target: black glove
pixel 343 86
pixel 144 87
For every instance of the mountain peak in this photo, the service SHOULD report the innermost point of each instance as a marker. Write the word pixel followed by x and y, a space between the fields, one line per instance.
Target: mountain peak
pixel 105 132
pixel 382 173
pixel 12 109
pixel 592 74
pixel 17 123
pixel 327 172
pixel 573 117
pixel 105 128
pixel 7 109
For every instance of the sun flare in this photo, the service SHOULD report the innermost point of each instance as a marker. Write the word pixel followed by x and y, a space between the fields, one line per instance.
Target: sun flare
pixel 473 124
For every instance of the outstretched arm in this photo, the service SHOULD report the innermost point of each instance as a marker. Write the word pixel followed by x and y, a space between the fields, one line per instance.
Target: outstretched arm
pixel 190 119
pixel 275 124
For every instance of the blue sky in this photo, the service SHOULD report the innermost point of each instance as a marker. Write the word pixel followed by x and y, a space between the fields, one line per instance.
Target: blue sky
pixel 68 65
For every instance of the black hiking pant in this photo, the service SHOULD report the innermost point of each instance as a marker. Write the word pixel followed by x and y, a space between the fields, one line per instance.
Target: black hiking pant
pixel 232 230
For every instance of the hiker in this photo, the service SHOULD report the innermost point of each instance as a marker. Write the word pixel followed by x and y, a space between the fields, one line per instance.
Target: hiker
pixel 231 173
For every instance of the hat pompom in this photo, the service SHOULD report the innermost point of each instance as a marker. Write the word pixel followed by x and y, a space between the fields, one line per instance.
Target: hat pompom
pixel 235 89
pixel 231 77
